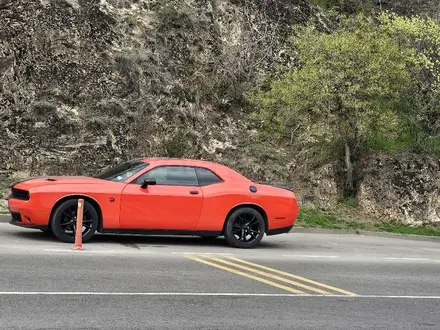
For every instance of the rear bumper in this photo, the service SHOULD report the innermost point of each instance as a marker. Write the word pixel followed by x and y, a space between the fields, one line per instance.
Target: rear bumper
pixel 277 231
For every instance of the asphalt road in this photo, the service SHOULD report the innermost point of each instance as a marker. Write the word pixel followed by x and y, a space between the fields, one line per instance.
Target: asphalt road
pixel 292 281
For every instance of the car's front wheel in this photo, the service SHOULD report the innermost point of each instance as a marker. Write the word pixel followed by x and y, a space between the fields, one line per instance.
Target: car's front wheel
pixel 63 221
pixel 244 228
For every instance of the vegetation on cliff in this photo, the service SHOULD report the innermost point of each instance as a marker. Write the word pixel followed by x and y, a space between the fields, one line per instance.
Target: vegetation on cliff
pixel 370 84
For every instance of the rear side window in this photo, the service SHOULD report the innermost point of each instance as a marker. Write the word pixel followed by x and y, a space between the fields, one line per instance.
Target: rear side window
pixel 206 177
pixel 171 176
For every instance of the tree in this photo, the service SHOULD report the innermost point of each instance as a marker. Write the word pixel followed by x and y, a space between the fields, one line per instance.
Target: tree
pixel 345 86
pixel 420 106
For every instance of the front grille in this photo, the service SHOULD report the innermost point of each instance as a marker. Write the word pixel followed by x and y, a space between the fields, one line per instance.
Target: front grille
pixel 16 216
pixel 20 194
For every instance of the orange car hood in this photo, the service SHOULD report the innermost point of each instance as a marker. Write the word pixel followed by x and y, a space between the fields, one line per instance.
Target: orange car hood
pixel 54 180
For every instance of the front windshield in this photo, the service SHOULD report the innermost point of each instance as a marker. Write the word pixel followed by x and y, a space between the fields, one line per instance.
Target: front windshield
pixel 122 172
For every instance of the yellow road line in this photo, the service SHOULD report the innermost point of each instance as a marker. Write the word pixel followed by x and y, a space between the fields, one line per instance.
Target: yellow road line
pixel 275 277
pixel 293 276
pixel 246 275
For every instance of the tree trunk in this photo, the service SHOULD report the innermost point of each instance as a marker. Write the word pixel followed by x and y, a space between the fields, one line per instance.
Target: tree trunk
pixel 348 169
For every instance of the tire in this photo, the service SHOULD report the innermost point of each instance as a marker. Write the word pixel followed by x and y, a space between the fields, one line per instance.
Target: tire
pixel 63 221
pixel 244 228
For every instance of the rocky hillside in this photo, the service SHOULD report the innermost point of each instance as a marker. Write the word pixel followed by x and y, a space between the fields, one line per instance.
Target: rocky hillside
pixel 89 83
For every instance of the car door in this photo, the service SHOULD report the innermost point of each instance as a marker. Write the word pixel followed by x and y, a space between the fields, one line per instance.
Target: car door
pixel 173 203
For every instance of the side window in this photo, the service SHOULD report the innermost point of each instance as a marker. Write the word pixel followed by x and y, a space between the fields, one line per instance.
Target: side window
pixel 207 177
pixel 158 173
pixel 171 176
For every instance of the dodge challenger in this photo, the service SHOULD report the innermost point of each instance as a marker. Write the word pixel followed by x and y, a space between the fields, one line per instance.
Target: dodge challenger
pixel 156 196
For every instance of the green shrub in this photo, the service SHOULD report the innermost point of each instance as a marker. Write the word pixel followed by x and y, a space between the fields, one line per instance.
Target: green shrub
pixel 177 146
pixel 175 17
pixel 350 202
pixel 43 108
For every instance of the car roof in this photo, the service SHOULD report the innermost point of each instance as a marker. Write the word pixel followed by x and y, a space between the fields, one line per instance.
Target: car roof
pixel 223 171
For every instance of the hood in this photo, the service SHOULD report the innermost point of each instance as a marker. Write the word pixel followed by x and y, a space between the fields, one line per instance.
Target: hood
pixel 54 180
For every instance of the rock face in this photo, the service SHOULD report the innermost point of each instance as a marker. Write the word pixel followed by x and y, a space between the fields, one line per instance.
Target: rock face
pixel 88 83
pixel 320 187
pixel 404 187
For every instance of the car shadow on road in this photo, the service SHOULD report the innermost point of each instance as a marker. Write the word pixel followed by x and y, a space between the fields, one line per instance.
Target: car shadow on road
pixel 138 241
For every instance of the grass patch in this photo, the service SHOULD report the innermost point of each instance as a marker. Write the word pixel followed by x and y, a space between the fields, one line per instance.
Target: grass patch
pixel 313 218
pixel 389 146
pixel 338 219
pixel 399 228
pixel 349 201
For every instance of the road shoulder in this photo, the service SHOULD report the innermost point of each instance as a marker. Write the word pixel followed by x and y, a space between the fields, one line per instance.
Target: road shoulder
pixel 365 233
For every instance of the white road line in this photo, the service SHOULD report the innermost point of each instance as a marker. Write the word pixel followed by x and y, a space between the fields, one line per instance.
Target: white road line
pixel 86 251
pixel 203 253
pixel 308 256
pixel 417 259
pixel 432 250
pixel 208 294
pixel 334 257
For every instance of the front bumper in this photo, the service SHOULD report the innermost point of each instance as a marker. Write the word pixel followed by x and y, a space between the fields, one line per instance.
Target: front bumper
pixel 24 225
pixel 28 213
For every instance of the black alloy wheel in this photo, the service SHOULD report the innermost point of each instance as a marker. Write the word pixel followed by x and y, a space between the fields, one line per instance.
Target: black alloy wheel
pixel 244 228
pixel 63 222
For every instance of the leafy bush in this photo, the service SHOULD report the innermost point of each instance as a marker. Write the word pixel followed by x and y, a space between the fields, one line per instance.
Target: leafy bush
pixel 369 84
pixel 347 85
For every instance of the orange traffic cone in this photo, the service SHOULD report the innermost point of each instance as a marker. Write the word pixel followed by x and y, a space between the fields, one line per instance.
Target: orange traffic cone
pixel 79 225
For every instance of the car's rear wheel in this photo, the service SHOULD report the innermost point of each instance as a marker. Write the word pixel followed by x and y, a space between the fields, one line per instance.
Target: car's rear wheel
pixel 63 222
pixel 244 228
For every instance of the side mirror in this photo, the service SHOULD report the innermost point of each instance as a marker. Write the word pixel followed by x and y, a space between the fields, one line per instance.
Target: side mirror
pixel 148 182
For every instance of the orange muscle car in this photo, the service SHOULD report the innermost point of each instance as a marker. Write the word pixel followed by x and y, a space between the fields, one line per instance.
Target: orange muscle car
pixel 156 196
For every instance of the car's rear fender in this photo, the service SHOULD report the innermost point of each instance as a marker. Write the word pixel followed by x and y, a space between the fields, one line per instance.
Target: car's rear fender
pixel 252 205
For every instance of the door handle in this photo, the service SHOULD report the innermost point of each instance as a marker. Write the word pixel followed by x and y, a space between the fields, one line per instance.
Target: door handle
pixel 194 192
